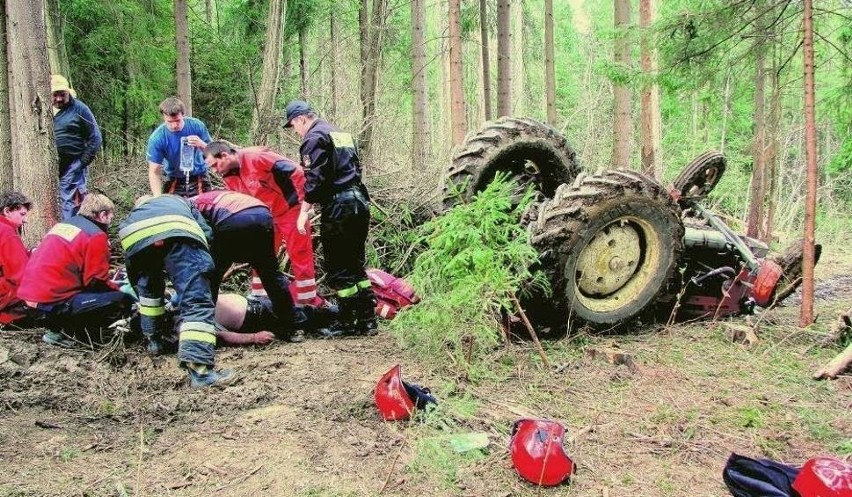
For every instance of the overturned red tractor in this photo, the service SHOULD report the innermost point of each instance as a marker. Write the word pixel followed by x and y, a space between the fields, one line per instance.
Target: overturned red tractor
pixel 618 247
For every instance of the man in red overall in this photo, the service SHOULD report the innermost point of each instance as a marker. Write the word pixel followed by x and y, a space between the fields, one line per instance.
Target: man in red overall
pixel 279 183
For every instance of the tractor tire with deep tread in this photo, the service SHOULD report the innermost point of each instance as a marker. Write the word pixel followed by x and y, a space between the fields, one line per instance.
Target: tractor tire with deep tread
pixel 528 150
pixel 699 177
pixel 790 261
pixel 610 245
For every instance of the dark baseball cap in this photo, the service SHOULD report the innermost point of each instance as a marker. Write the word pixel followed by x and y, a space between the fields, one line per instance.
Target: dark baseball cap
pixel 295 108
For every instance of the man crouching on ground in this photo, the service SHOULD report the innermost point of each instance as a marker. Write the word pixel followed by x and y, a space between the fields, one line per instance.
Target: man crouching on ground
pixel 165 233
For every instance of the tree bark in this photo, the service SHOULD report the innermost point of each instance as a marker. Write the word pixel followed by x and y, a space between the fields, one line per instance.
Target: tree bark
pixel 772 149
pixel 757 193
pixel 335 93
pixel 486 59
pixel 420 126
pixel 726 112
pixel 6 172
pixel 184 74
pixel 263 120
pixel 519 100
pixel 303 64
pixel 29 75
pixel 623 125
pixel 652 164
pixel 504 61
pixel 371 33
pixel 806 314
pixel 208 12
pixel 57 55
pixel 456 84
pixel 549 64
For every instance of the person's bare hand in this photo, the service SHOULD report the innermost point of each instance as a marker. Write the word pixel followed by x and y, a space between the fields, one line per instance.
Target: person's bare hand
pixel 196 141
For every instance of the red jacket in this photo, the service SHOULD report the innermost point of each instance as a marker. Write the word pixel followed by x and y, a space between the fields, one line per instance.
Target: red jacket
pixel 13 258
pixel 269 177
pixel 72 257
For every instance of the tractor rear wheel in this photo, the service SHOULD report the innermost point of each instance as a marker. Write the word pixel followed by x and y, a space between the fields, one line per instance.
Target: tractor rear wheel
pixel 610 245
pixel 790 261
pixel 699 177
pixel 528 150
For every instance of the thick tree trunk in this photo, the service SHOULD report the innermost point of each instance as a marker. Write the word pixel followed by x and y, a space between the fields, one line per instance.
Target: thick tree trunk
pixel 263 120
pixel 420 127
pixel 652 164
pixel 57 55
pixel 504 61
pixel 456 84
pixel 184 74
pixel 6 171
pixel 757 193
pixel 772 151
pixel 29 74
pixel 806 314
pixel 623 125
pixel 549 64
pixel 486 59
pixel 519 73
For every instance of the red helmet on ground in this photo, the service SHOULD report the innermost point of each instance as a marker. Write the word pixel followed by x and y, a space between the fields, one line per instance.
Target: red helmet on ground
pixel 537 452
pixel 397 399
pixel 824 477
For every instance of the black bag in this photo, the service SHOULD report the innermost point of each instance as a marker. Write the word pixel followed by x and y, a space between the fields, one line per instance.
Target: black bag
pixel 747 477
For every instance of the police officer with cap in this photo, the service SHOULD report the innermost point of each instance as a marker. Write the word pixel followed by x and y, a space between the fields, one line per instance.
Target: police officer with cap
pixel 333 180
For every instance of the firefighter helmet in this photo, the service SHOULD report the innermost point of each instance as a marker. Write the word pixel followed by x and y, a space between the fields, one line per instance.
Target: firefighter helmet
pixel 537 452
pixel 397 399
pixel 824 477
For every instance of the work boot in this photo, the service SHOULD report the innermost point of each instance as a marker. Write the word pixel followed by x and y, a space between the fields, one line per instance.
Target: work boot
pixel 202 376
pixel 155 347
pixel 366 313
pixel 296 336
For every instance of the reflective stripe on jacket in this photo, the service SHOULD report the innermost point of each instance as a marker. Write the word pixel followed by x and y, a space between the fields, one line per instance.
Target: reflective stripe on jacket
pixel 159 218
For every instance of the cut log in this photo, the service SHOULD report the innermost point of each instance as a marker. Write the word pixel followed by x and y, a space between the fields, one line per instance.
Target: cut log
pixel 836 366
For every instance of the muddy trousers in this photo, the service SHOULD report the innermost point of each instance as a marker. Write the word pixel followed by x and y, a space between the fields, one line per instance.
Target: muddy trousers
pixel 247 236
pixel 345 223
pixel 190 268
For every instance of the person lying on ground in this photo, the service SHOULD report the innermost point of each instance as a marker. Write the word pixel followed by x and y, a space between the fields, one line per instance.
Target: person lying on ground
pixel 14 208
pixel 67 281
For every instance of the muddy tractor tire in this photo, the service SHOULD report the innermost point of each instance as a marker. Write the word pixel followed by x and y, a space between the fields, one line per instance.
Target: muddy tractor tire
pixel 699 177
pixel 790 261
pixel 610 245
pixel 528 150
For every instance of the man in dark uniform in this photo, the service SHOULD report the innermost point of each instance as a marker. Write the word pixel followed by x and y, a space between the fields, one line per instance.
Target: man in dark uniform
pixel 333 180
pixel 165 233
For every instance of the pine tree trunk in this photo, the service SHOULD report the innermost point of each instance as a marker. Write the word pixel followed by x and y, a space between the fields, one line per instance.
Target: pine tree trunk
pixel 456 84
pixel 623 125
pixel 57 55
pixel 549 64
pixel 303 65
pixel 504 61
pixel 726 112
pixel 184 74
pixel 6 171
pixel 772 148
pixel 519 77
pixel 33 140
pixel 806 314
pixel 263 120
pixel 755 204
pixel 335 94
pixel 371 44
pixel 420 127
pixel 486 59
pixel 652 163
pixel 208 12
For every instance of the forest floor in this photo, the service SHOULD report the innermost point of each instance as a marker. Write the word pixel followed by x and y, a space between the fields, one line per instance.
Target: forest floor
pixel 302 421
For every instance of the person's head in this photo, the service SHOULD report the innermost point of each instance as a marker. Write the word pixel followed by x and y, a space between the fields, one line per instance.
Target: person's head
pixel 299 115
pixel 60 91
pixel 173 110
pixel 15 206
pixel 221 156
pixel 98 207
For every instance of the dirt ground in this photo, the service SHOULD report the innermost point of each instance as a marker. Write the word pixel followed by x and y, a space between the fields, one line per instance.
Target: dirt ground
pixel 302 421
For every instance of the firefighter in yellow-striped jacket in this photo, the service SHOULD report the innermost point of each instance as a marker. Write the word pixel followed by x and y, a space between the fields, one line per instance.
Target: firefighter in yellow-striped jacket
pixel 165 234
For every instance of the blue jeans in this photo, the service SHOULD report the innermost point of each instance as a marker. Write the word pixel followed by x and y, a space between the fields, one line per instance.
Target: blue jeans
pixel 190 269
pixel 72 187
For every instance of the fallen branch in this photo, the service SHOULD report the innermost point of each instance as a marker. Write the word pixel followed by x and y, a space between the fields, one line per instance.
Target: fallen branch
pixel 239 479
pixel 836 366
pixel 527 323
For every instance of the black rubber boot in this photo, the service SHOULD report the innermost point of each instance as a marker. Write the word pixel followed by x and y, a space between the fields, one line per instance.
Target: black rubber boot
pixel 365 315
pixel 344 325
